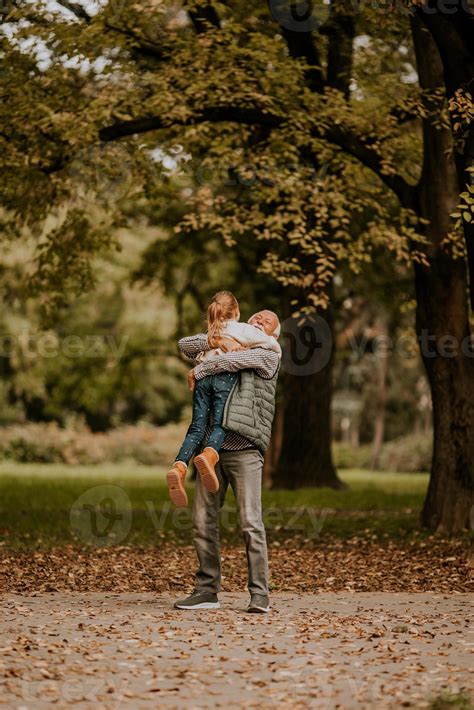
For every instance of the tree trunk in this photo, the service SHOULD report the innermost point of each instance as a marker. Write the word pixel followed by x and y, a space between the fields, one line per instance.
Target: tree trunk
pixel 306 457
pixel 428 422
pixel 272 455
pixel 355 432
pixel 340 29
pixel 441 312
pixel 442 321
pixel 453 33
pixel 379 426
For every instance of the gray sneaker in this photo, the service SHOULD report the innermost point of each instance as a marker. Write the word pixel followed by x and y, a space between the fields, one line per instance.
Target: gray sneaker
pixel 259 604
pixel 198 600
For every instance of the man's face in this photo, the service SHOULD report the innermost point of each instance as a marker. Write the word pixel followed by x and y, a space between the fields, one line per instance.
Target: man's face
pixel 265 320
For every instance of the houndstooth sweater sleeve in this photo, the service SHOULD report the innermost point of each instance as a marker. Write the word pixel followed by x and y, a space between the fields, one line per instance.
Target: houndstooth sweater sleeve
pixel 264 362
pixel 191 346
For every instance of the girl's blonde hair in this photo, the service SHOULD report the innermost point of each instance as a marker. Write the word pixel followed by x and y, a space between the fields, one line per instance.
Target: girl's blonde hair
pixel 223 307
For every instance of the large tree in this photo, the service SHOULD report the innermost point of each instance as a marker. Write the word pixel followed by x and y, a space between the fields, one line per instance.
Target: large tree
pixel 445 58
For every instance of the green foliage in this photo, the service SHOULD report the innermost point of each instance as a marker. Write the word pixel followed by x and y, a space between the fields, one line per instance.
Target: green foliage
pixel 109 357
pixel 286 164
pixel 408 454
pixel 346 456
pixel 48 443
pixel 24 451
pixel 466 213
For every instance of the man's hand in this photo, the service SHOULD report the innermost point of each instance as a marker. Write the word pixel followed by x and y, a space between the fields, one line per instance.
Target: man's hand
pixel 229 345
pixel 191 380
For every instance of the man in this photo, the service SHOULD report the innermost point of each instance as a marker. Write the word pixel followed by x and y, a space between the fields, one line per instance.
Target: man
pixel 248 417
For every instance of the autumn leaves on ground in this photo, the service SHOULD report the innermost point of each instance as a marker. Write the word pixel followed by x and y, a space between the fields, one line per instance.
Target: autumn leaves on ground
pixel 369 611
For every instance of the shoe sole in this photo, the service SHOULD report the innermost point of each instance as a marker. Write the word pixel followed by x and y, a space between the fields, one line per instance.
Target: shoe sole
pixel 203 605
pixel 259 609
pixel 207 474
pixel 176 489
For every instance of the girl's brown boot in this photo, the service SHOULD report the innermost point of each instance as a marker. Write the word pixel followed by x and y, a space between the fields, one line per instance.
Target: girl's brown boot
pixel 175 480
pixel 205 463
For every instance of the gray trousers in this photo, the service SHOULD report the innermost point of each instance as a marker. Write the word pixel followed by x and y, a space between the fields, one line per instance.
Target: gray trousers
pixel 243 471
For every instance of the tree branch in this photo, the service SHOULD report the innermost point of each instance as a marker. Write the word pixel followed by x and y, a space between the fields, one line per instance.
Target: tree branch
pixel 299 45
pixel 211 114
pixel 355 146
pixel 204 17
pixel 76 10
pixel 336 134
pixel 145 47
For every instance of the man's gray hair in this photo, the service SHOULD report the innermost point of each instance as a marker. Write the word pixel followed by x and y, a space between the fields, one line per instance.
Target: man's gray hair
pixel 277 330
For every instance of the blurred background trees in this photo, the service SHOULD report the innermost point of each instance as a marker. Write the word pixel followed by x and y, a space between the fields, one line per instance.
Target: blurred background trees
pixel 305 167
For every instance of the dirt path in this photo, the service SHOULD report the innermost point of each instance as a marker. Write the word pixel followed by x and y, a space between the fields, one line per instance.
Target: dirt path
pixel 111 650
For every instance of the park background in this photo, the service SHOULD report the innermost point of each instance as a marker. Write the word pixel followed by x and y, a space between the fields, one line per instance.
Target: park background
pixel 318 164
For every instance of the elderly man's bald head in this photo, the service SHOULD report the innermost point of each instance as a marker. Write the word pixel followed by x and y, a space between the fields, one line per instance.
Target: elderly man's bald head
pixel 266 321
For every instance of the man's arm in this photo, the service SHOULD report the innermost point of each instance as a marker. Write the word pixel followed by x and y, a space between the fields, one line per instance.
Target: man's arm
pixel 264 362
pixel 193 345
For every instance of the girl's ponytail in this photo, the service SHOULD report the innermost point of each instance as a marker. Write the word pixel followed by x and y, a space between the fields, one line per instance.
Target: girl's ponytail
pixel 223 307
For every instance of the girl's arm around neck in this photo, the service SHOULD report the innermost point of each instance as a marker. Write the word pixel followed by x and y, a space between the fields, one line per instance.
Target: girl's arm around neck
pixel 251 337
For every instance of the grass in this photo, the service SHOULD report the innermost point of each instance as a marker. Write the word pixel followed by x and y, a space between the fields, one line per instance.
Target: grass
pixel 36 501
pixel 448 700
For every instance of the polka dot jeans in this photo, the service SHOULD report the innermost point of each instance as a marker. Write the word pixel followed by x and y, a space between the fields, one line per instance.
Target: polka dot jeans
pixel 209 399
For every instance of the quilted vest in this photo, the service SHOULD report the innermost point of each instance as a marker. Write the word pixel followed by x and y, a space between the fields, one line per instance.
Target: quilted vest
pixel 250 408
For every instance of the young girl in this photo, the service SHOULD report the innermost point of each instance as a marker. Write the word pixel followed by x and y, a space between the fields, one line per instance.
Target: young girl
pixel 210 396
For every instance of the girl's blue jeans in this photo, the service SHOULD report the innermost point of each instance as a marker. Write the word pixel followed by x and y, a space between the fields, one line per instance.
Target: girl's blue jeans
pixel 210 395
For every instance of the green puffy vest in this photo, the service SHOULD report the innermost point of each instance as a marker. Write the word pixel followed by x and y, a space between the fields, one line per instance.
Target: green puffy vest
pixel 250 408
